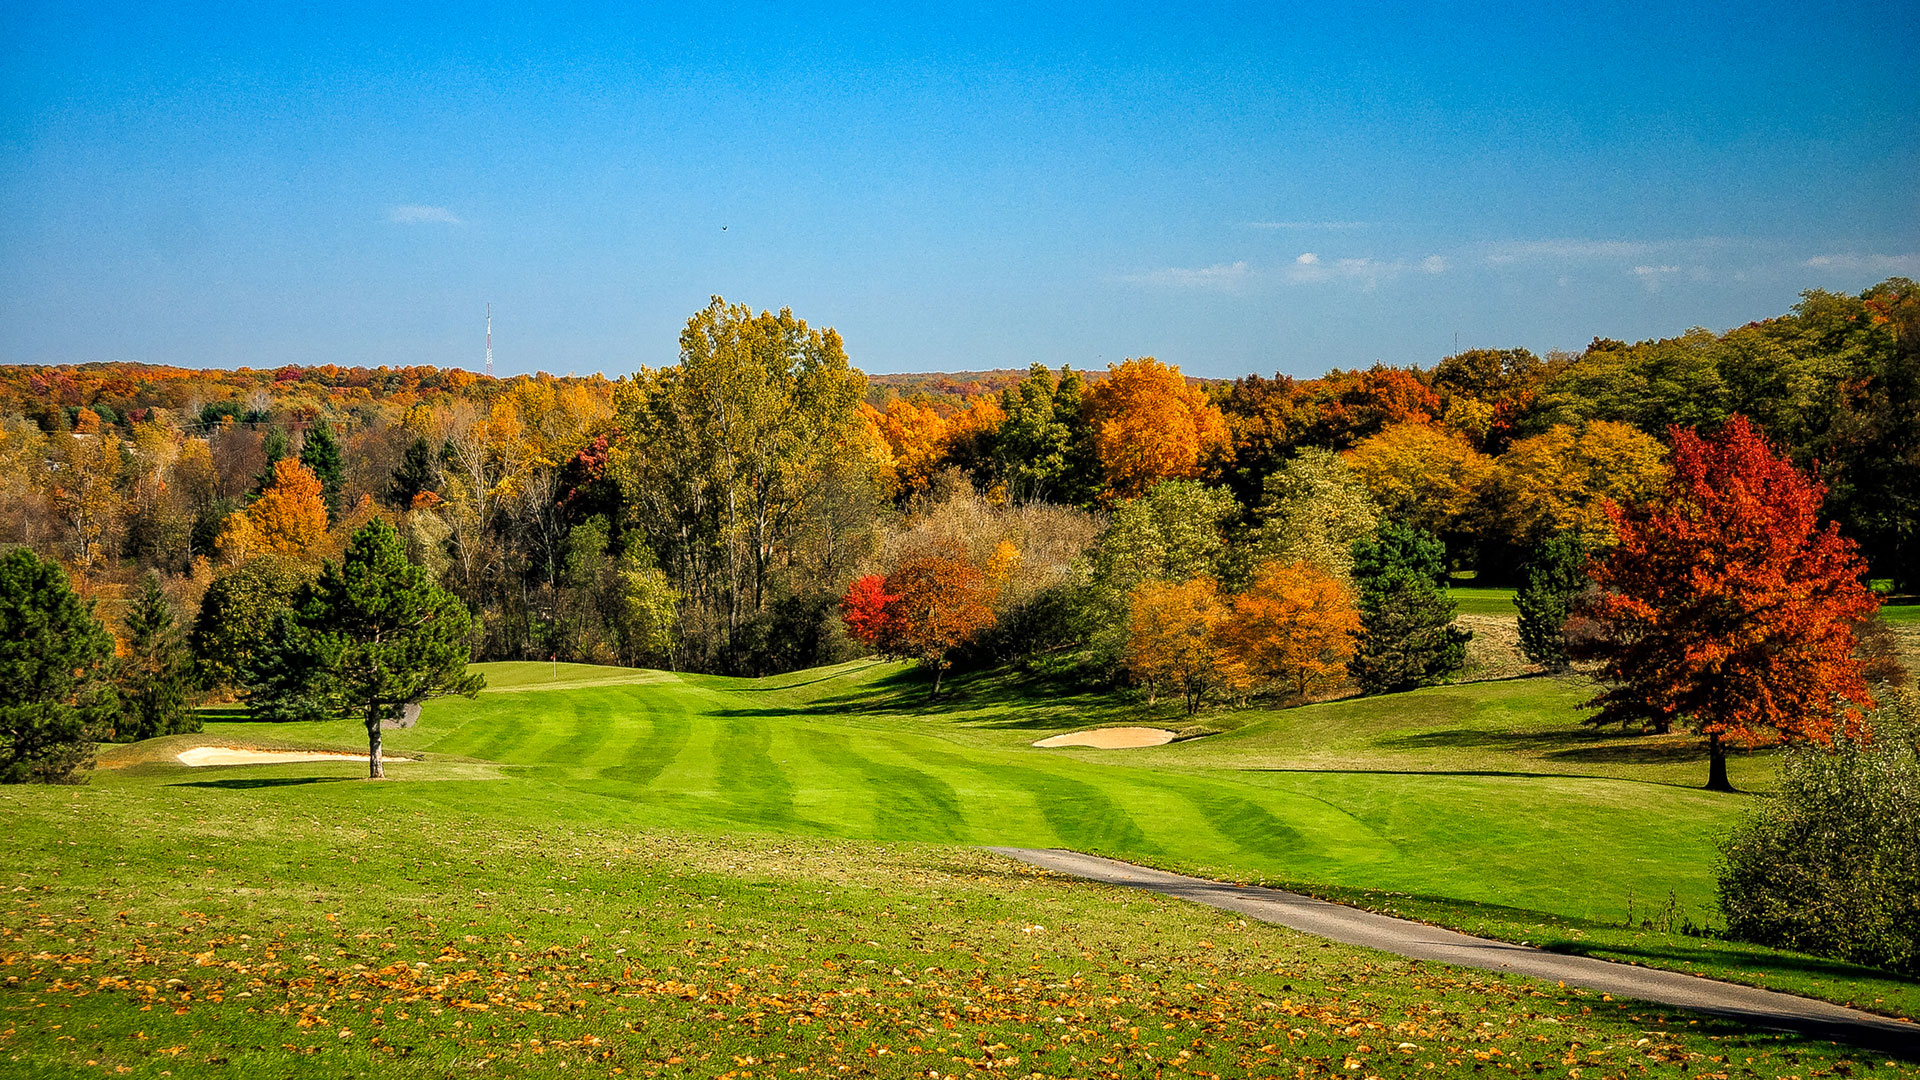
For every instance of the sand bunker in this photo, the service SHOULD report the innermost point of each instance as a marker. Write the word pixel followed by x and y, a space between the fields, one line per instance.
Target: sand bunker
pixel 229 755
pixel 1111 738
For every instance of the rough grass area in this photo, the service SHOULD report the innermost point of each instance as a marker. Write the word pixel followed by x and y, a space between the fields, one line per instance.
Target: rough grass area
pixel 352 929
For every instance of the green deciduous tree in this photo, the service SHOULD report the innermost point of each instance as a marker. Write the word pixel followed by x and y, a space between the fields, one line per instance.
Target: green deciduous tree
pixel 55 658
pixel 1171 533
pixel 1043 451
pixel 721 455
pixel 153 674
pixel 1316 508
pixel 1831 864
pixel 1407 636
pixel 235 615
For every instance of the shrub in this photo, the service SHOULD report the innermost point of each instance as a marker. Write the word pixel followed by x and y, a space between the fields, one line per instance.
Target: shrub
pixel 1831 865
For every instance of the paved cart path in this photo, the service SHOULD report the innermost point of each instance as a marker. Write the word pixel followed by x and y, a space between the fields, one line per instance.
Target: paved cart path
pixel 1419 941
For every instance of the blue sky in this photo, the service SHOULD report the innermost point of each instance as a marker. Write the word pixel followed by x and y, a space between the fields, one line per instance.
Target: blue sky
pixel 1232 189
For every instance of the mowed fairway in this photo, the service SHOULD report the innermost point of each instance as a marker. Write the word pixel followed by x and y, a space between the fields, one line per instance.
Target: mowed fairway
pixel 794 756
pixel 640 873
pixel 1485 806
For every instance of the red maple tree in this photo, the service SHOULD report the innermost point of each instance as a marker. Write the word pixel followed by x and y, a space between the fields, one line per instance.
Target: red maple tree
pixel 1726 607
pixel 937 603
pixel 865 610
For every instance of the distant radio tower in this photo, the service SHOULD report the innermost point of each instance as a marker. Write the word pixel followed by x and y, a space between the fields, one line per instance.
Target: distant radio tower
pixel 489 341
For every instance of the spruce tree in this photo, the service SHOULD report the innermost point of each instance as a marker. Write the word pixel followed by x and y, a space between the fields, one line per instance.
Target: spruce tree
pixel 276 447
pixel 1556 575
pixel 320 453
pixel 1407 636
pixel 415 475
pixel 153 674
pixel 54 663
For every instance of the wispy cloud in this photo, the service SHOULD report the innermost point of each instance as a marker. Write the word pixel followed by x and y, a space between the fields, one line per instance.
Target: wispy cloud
pixel 416 214
pixel 1510 251
pixel 1310 225
pixel 1309 268
pixel 1225 277
pixel 1878 264
pixel 1651 276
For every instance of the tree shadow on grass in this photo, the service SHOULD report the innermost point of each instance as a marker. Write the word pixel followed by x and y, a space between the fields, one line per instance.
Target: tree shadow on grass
pixel 248 783
pixel 1484 739
pixel 1731 955
pixel 1515 774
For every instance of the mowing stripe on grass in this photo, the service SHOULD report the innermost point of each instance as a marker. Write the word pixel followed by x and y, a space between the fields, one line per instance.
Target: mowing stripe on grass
pixel 906 803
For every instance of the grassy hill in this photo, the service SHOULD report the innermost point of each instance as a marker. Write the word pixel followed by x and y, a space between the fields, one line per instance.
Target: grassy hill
pixel 629 870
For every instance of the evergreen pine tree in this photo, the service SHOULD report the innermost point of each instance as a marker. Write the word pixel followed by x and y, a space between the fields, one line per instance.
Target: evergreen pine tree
pixel 415 475
pixel 320 453
pixel 373 636
pixel 276 447
pixel 1407 636
pixel 1556 575
pixel 54 661
pixel 153 674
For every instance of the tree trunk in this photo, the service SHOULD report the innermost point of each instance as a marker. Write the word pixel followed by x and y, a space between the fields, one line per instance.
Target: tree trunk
pixel 937 668
pixel 375 770
pixel 1717 770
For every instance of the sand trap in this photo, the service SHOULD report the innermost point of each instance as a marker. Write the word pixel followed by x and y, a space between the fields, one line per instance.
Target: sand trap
pixel 1111 738
pixel 229 755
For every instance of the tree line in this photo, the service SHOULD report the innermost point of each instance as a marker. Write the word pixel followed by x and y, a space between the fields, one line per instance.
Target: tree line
pixel 712 514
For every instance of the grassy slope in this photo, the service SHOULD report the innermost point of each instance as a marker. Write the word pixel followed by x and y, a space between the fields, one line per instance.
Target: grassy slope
pixel 1486 806
pixel 284 923
pixel 1481 806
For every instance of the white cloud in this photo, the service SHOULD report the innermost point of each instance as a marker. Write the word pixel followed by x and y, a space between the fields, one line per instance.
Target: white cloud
pixel 1434 264
pixel 1650 275
pixel 1226 277
pixel 1878 264
pixel 1311 269
pixel 1308 225
pixel 415 214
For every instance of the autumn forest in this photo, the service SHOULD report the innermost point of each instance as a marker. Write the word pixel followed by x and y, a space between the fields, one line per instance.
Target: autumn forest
pixel 762 506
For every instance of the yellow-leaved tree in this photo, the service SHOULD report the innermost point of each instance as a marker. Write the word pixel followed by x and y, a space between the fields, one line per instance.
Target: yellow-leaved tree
pixel 1174 641
pixel 290 516
pixel 1422 475
pixel 1149 425
pixel 1560 482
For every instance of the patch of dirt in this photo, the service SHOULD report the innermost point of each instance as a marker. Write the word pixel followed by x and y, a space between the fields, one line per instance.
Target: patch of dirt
pixel 1494 652
pixel 1111 738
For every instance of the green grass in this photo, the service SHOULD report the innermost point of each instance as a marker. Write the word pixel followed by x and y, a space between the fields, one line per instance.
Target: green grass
pixel 1484 806
pixel 301 923
pixel 1476 600
pixel 1901 614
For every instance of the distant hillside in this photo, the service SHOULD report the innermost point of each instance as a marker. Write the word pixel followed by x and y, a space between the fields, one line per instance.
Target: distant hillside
pixel 957 386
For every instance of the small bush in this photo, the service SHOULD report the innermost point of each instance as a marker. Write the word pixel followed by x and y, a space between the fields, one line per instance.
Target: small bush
pixel 1831 865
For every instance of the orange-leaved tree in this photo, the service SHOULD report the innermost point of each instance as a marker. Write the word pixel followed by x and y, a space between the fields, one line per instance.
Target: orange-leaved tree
pixel 290 516
pixel 937 601
pixel 1149 425
pixel 1294 626
pixel 1725 607
pixel 1174 640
